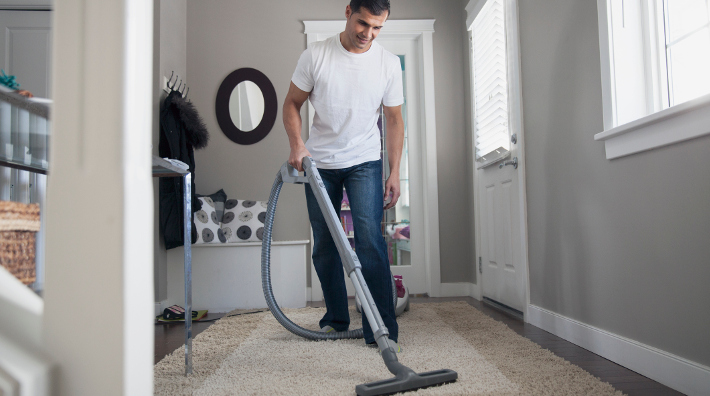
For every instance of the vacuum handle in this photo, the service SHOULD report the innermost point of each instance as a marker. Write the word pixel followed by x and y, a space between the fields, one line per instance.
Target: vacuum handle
pixel 289 174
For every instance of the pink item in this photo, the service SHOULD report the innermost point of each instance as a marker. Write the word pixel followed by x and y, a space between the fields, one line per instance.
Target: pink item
pixel 400 285
pixel 405 232
pixel 398 232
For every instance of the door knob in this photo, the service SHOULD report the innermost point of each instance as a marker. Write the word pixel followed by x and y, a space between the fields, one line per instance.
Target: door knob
pixel 514 162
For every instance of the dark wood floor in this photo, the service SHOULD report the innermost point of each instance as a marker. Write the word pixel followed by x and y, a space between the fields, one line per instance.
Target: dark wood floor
pixel 169 337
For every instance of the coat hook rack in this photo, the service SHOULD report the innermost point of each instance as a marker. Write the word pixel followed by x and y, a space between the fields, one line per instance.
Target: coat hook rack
pixel 182 88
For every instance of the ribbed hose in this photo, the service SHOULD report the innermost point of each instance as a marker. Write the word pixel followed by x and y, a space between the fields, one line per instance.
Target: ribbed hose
pixel 266 278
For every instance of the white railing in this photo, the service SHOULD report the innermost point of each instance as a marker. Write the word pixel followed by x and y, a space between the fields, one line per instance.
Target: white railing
pixel 24 157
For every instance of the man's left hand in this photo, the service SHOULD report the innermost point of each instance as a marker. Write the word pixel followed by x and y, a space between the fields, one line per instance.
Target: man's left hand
pixel 391 191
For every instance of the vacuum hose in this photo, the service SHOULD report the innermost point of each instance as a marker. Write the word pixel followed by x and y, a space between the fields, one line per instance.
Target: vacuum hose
pixel 266 278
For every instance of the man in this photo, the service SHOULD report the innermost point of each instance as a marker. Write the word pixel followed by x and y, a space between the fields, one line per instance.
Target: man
pixel 347 77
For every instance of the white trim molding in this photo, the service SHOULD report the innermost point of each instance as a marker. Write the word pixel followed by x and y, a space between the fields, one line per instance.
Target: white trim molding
pixel 24 372
pixel 160 307
pixel 319 30
pixel 421 31
pixel 673 371
pixel 685 121
pixel 35 5
pixel 460 289
pixel 654 124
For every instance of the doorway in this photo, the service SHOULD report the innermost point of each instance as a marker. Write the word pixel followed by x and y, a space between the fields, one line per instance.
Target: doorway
pixel 418 258
pixel 499 174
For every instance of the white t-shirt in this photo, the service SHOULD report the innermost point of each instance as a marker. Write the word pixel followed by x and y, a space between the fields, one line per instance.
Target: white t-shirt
pixel 346 92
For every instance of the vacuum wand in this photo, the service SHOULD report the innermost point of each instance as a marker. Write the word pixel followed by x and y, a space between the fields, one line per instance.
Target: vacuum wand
pixel 405 378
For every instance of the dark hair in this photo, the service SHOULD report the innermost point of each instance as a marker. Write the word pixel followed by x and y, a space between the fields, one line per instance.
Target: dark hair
pixel 376 7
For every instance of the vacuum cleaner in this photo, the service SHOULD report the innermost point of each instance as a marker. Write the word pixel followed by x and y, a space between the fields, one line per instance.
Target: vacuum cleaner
pixel 405 378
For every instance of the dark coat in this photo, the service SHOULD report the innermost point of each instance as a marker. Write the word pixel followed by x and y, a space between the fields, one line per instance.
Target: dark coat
pixel 181 132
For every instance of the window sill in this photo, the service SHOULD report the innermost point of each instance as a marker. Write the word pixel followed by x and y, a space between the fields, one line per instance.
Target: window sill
pixel 685 121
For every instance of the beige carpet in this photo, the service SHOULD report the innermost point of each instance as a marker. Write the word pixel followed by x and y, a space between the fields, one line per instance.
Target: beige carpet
pixel 255 355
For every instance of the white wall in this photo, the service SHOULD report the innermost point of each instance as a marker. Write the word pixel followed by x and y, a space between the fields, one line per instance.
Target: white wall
pixel 621 245
pixel 223 36
pixel 98 323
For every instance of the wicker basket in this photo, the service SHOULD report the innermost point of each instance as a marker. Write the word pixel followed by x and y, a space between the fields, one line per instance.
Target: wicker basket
pixel 18 224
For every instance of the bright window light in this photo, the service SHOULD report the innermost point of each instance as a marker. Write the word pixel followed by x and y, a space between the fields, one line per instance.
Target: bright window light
pixel 687 44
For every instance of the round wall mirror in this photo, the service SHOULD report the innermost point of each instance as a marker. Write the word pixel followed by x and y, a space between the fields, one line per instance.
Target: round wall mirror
pixel 246 106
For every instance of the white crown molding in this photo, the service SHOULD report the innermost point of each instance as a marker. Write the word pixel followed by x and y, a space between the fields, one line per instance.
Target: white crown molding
pixel 25 5
pixel 391 27
pixel 472 9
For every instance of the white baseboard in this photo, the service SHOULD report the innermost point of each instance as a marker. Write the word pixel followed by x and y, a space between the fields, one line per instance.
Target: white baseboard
pixel 160 307
pixel 460 289
pixel 463 289
pixel 673 371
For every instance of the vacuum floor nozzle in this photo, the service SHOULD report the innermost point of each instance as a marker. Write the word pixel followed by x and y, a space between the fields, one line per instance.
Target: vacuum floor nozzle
pixel 410 381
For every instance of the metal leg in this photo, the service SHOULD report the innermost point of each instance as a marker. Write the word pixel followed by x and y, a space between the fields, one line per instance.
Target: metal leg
pixel 188 272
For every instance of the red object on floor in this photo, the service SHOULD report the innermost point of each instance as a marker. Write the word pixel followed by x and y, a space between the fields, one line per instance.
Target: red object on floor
pixel 400 285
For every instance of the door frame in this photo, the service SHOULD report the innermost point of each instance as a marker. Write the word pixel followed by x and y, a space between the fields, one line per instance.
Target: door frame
pixel 421 31
pixel 34 5
pixel 515 95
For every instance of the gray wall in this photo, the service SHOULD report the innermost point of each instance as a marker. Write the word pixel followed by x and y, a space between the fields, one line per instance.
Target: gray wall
pixel 622 245
pixel 170 54
pixel 223 36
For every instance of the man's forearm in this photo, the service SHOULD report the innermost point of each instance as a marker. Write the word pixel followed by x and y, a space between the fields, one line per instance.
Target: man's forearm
pixel 292 123
pixel 394 142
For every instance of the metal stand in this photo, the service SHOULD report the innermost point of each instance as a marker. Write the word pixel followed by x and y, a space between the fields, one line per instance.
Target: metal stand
pixel 162 168
pixel 188 272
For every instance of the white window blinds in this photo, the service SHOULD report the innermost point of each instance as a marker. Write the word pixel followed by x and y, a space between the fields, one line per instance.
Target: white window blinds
pixel 490 83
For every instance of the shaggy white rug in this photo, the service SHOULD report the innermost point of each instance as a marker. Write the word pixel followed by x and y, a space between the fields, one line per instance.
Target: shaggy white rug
pixel 255 355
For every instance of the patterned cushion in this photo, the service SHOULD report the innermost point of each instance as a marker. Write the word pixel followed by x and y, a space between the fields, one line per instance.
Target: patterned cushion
pixel 243 220
pixel 206 222
pixel 219 198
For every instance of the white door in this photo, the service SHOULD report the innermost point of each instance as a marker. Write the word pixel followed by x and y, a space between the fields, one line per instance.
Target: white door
pixel 25 49
pixel 501 250
pixel 498 144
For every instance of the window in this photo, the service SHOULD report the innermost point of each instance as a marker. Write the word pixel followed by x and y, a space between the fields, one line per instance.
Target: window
pixel 686 46
pixel 490 83
pixel 655 67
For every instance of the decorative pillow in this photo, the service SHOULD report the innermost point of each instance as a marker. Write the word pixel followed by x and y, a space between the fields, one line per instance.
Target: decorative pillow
pixel 243 220
pixel 206 223
pixel 219 198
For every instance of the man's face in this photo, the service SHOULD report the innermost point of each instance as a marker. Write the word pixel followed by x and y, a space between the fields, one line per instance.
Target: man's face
pixel 361 28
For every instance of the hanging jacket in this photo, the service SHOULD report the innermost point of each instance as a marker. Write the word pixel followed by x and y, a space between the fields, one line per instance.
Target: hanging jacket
pixel 181 132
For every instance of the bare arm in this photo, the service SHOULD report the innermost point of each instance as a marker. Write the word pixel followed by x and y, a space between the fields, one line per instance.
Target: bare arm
pixel 395 141
pixel 292 121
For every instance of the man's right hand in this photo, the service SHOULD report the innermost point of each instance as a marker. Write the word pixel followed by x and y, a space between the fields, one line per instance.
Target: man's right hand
pixel 295 159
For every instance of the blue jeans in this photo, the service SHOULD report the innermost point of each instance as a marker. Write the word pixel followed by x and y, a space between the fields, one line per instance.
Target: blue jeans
pixel 363 184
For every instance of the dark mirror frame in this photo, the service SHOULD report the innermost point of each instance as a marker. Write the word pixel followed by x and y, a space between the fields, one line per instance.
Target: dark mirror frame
pixel 224 119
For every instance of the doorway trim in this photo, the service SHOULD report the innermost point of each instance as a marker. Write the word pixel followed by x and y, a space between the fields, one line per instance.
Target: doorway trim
pixel 26 5
pixel 516 120
pixel 420 30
